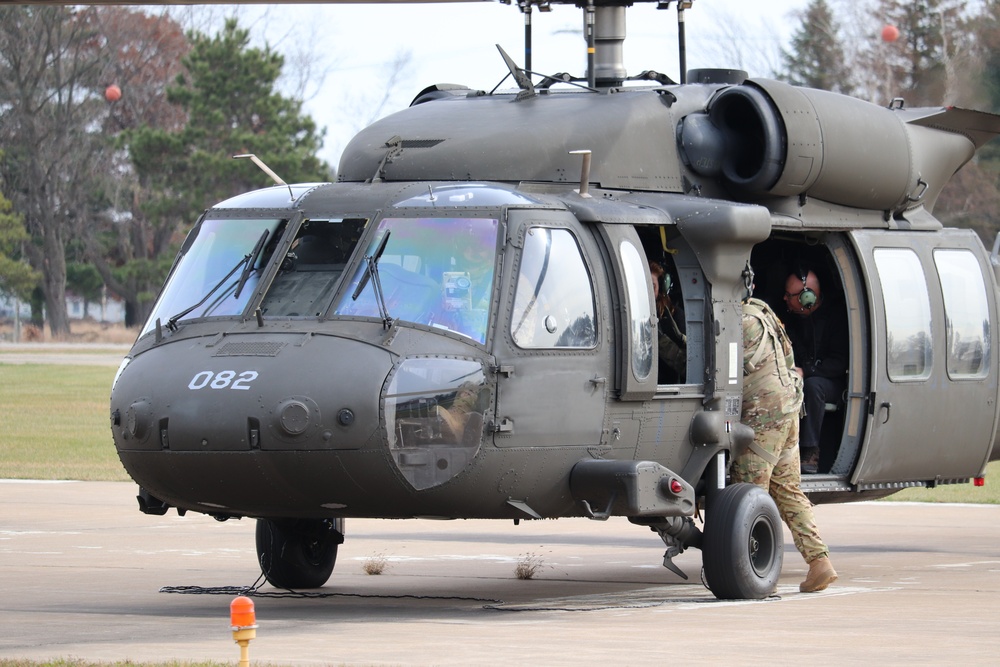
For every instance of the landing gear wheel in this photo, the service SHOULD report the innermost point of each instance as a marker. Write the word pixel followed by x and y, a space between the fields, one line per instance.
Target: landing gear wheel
pixel 742 549
pixel 298 553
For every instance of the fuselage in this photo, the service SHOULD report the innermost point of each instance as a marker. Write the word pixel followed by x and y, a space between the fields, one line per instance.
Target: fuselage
pixel 463 319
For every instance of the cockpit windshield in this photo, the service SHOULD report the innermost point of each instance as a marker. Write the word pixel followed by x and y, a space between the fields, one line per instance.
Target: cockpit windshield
pixel 218 274
pixel 433 271
pixel 312 268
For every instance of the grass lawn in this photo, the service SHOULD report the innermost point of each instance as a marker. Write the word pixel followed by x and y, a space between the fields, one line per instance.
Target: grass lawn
pixel 55 423
pixel 125 663
pixel 958 493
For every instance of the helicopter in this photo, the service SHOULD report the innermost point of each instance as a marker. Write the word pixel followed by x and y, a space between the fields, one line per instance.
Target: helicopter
pixel 463 325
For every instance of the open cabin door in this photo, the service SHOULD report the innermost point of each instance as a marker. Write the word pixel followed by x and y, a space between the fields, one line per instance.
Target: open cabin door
pixel 932 406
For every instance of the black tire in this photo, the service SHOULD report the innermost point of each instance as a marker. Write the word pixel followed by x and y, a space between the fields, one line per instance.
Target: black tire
pixel 743 548
pixel 297 553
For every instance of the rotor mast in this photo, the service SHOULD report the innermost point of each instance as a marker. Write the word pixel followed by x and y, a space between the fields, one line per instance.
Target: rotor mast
pixel 604 32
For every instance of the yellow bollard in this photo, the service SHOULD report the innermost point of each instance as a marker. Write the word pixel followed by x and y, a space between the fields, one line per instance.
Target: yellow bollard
pixel 243 622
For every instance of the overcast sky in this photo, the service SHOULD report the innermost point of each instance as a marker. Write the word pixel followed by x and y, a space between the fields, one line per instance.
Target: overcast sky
pixel 348 52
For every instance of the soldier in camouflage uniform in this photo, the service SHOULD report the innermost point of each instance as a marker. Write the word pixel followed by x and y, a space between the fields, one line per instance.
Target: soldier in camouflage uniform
pixel 772 397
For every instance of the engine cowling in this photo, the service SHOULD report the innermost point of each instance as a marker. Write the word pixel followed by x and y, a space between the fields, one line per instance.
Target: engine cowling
pixel 767 138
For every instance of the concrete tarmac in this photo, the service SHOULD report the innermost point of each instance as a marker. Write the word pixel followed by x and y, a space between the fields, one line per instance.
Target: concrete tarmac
pixel 87 576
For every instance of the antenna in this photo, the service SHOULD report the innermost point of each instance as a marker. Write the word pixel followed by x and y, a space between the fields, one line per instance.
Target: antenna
pixel 584 173
pixel 267 170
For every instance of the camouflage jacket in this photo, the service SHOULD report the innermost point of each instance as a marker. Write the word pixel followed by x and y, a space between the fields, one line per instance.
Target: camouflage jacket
pixel 770 383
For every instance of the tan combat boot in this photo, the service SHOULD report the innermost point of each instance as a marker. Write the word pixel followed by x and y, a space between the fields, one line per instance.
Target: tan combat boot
pixel 821 574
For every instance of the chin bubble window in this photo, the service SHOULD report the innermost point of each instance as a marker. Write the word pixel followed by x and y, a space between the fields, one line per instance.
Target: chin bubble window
pixel 435 415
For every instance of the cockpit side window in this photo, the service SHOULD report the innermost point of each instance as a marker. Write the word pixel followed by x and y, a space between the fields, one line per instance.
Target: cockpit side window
pixel 432 271
pixel 554 297
pixel 312 268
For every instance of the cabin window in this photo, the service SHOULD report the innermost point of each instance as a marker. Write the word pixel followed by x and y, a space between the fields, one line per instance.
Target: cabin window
pixel 212 278
pixel 967 313
pixel 640 310
pixel 312 268
pixel 907 314
pixel 554 298
pixel 433 271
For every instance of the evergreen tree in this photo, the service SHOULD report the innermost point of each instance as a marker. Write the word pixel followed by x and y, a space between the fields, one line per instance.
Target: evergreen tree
pixel 816 58
pixel 17 278
pixel 232 108
pixel 923 65
pixel 131 251
pixel 227 94
pixel 987 31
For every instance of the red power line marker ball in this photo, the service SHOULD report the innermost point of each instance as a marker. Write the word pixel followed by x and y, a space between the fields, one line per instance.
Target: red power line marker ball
pixel 890 33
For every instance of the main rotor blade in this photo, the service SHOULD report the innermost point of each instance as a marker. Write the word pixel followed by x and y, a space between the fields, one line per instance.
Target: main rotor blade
pixel 140 3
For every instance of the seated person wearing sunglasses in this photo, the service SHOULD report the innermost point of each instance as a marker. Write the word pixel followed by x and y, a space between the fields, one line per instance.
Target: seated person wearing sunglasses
pixel 819 339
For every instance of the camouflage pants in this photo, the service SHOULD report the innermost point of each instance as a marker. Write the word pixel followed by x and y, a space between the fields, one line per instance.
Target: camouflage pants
pixel 782 480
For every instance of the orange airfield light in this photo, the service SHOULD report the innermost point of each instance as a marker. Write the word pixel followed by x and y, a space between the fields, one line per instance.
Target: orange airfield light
pixel 243 623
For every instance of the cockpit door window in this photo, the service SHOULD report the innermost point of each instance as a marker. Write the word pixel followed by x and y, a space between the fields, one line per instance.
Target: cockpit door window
pixel 554 298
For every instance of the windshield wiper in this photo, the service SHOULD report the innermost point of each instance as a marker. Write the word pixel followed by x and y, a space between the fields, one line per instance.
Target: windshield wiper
pixel 248 269
pixel 172 322
pixel 371 271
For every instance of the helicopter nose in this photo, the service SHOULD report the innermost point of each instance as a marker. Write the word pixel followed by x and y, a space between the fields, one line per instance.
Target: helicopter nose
pixel 257 424
pixel 237 399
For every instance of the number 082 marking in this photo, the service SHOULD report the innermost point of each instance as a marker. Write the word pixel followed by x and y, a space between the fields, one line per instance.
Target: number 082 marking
pixel 222 380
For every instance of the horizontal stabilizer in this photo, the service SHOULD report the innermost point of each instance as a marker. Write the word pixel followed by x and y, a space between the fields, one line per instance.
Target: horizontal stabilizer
pixel 978 126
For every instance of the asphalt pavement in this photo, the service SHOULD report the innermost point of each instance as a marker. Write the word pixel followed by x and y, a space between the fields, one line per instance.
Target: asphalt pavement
pixel 87 576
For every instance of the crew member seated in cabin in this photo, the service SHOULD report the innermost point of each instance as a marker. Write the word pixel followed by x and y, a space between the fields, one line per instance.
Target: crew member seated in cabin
pixel 672 341
pixel 818 332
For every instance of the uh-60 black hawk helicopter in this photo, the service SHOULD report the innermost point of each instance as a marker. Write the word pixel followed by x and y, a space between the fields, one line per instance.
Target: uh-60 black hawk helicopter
pixel 463 325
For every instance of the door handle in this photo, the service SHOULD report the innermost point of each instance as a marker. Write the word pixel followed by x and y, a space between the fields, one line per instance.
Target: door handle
pixel 888 409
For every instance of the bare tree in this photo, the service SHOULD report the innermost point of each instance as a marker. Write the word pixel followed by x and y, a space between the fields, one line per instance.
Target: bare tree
pixel 52 139
pixel 126 245
pixel 755 48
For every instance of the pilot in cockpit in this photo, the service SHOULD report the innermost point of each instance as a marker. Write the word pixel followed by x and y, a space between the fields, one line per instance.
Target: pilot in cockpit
pixel 466 286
